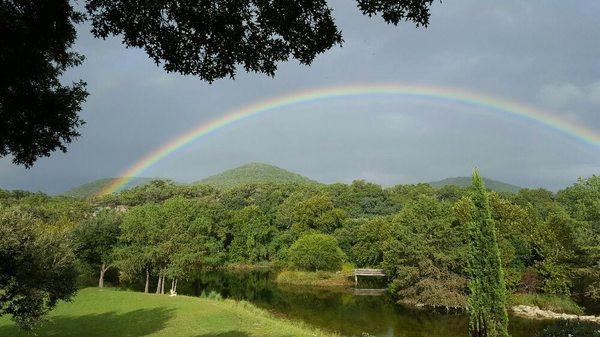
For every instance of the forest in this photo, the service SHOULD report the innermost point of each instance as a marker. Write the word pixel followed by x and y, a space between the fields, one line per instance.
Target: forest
pixel 163 232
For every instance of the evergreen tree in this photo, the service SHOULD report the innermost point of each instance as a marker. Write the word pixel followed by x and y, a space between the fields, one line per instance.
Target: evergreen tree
pixel 487 301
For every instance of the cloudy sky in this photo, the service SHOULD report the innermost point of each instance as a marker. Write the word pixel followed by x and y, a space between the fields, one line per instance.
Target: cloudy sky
pixel 540 53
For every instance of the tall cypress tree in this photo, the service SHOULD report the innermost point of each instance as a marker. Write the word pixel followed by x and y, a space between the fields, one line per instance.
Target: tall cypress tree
pixel 487 302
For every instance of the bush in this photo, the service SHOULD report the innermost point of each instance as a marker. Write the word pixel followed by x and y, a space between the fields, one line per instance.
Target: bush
pixel 314 252
pixel 213 295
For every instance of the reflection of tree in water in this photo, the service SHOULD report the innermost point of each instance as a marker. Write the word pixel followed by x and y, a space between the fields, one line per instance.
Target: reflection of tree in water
pixel 571 328
pixel 230 284
pixel 352 315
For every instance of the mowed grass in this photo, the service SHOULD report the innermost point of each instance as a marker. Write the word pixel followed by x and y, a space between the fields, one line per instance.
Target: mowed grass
pixel 109 312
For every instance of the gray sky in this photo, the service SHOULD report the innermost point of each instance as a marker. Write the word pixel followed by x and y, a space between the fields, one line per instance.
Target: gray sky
pixel 540 53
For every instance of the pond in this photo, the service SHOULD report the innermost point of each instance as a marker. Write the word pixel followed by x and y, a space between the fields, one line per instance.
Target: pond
pixel 341 311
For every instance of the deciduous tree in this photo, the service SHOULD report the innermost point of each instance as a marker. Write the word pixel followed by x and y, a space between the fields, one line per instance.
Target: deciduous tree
pixel 314 252
pixel 36 267
pixel 95 239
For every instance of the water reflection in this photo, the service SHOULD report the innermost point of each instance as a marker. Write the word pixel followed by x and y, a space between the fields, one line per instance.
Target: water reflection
pixel 340 311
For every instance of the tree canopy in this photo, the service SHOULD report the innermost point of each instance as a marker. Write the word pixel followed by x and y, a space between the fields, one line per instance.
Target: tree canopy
pixel 315 252
pixel 36 266
pixel 38 113
pixel 95 239
pixel 211 39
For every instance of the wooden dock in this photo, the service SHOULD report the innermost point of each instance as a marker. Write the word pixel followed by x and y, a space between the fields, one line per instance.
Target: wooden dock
pixel 367 272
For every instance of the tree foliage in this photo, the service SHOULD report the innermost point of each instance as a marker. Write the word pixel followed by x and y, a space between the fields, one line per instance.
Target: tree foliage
pixel 313 252
pixel 36 267
pixel 211 39
pixel 38 113
pixel 253 236
pixel 169 239
pixel 95 239
pixel 424 253
pixel 487 299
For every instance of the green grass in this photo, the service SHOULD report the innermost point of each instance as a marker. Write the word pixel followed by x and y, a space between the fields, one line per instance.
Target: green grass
pixel 553 303
pixel 108 312
pixel 314 279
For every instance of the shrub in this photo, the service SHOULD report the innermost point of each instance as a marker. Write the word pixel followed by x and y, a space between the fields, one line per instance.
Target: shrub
pixel 213 295
pixel 314 252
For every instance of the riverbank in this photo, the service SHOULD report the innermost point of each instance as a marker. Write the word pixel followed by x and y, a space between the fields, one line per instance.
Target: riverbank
pixel 557 305
pixel 551 303
pixel 322 279
pixel 109 312
pixel 249 267
pixel 548 307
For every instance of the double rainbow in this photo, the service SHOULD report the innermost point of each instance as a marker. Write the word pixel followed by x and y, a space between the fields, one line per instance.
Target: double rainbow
pixel 578 132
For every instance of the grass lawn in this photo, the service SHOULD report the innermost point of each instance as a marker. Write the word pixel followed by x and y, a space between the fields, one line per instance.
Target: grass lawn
pixel 109 312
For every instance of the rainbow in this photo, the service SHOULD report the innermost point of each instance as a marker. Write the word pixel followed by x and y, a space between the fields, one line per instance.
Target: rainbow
pixel 514 109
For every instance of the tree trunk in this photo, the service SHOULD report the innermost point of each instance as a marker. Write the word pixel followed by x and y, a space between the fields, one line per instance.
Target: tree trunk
pixel 147 281
pixel 103 270
pixel 174 286
pixel 162 286
pixel 197 287
pixel 158 284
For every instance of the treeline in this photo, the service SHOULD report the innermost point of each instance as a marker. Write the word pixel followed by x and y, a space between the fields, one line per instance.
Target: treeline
pixel 163 232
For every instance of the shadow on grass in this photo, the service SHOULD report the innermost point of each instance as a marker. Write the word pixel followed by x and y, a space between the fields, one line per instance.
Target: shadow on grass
pixel 226 334
pixel 135 323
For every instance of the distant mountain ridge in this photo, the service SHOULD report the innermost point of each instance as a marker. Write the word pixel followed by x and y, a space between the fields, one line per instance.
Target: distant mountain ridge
pixel 254 173
pixel 94 187
pixel 491 184
pixel 257 173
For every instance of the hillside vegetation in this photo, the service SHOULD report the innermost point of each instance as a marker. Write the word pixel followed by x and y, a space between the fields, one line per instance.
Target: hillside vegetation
pixel 494 185
pixel 92 188
pixel 260 173
pixel 255 173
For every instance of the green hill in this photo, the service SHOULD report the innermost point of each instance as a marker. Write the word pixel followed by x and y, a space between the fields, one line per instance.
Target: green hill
pixel 254 173
pixel 94 187
pixel 493 185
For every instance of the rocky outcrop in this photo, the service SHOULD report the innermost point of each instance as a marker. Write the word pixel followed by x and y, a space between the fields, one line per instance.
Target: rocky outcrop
pixel 535 312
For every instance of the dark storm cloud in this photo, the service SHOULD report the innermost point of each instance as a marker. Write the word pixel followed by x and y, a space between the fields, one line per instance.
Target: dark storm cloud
pixel 542 53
